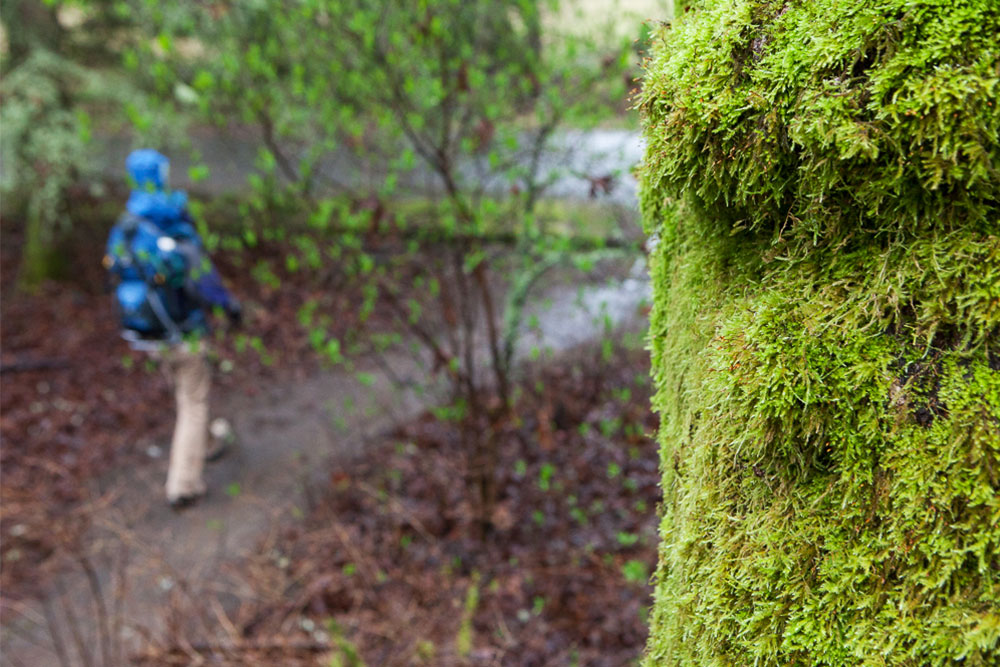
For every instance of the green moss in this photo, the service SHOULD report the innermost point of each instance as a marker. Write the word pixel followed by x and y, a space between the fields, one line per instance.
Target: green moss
pixel 822 118
pixel 826 333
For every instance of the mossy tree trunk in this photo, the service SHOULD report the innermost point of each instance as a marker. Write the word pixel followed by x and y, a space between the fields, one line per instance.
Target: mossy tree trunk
pixel 38 258
pixel 822 178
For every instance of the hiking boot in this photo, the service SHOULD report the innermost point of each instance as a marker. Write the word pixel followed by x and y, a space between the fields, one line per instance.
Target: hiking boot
pixel 223 437
pixel 183 502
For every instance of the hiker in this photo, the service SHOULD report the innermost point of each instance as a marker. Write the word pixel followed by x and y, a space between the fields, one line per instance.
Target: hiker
pixel 164 289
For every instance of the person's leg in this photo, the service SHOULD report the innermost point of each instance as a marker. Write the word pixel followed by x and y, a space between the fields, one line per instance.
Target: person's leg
pixel 192 379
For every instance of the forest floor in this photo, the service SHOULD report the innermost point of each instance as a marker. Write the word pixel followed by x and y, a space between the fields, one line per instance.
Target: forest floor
pixel 340 529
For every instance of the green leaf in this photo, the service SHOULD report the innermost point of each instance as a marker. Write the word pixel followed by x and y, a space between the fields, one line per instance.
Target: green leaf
pixel 203 81
pixel 635 572
pixel 197 173
pixel 545 476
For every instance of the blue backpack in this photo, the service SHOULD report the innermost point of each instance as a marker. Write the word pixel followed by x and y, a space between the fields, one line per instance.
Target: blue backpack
pixel 150 271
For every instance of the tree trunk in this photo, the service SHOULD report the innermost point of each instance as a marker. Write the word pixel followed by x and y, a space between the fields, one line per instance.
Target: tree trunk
pixel 39 260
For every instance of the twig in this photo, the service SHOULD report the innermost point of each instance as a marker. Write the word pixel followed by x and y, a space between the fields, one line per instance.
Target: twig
pixel 102 611
pixel 120 591
pixel 28 636
pixel 397 506
pixel 441 358
pixel 74 626
pixel 57 640
pixel 223 619
pixel 500 369
pixel 23 365
pixel 24 611
pixel 230 649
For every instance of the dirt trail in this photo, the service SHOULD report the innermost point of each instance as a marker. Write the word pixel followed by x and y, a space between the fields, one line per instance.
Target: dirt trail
pixel 291 437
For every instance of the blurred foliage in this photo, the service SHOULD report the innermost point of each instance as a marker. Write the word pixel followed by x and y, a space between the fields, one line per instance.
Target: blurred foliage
pixel 43 151
pixel 425 124
pixel 60 73
pixel 42 136
pixel 821 178
pixel 810 123
pixel 404 147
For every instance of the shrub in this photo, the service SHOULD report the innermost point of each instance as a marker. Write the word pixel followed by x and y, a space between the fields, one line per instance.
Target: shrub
pixel 823 181
pixel 43 152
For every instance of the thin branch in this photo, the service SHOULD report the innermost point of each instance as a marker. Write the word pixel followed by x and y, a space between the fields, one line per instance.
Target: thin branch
pixel 23 365
pixel 500 369
pixel 74 626
pixel 534 189
pixel 517 303
pixel 231 649
pixel 267 132
pixel 441 358
pixel 57 640
pixel 468 318
pixel 102 612
pixel 120 592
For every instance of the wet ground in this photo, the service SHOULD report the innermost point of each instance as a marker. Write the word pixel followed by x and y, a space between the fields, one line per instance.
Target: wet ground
pixel 292 437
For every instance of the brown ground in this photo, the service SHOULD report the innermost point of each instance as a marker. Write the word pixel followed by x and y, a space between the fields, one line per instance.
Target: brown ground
pixel 326 534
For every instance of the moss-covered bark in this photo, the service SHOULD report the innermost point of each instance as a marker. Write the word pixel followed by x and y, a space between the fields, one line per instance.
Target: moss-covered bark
pixel 824 181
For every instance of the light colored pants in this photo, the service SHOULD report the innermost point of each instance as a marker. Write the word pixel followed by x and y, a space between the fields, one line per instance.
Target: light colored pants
pixel 192 379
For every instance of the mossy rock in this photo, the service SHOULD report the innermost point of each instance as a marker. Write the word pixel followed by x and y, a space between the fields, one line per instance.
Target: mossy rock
pixel 823 179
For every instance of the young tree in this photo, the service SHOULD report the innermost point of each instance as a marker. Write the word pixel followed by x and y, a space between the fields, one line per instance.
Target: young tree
pixel 422 129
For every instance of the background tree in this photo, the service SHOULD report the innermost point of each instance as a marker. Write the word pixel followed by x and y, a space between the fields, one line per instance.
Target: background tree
pixel 61 69
pixel 42 135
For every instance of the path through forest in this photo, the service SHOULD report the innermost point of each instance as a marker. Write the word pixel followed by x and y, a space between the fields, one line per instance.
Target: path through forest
pixel 292 438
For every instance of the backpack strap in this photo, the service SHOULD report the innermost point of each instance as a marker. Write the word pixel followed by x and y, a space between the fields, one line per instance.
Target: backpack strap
pixel 174 334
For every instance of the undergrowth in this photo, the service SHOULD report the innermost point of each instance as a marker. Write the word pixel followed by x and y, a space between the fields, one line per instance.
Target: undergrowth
pixel 389 567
